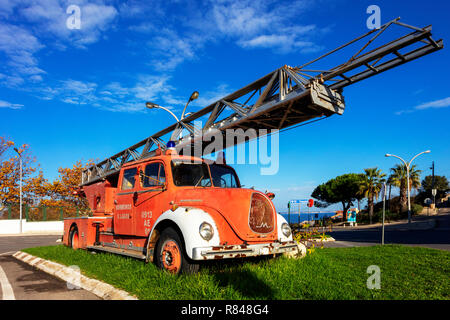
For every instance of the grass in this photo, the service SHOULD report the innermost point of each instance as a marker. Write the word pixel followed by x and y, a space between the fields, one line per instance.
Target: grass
pixel 330 273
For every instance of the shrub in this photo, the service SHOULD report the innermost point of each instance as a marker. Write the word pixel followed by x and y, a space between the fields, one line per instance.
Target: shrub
pixel 416 208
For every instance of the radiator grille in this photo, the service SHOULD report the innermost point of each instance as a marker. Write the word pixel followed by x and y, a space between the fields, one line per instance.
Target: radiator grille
pixel 261 219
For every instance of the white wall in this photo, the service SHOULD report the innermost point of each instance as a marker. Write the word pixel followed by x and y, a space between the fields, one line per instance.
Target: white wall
pixel 38 227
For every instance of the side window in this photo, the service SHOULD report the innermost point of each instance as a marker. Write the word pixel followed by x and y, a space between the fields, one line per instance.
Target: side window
pixel 129 177
pixel 162 174
pixel 154 175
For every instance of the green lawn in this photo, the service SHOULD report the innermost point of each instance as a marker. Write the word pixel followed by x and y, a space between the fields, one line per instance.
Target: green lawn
pixel 332 273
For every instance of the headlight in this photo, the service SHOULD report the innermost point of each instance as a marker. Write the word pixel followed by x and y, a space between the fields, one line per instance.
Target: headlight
pixel 206 231
pixel 286 229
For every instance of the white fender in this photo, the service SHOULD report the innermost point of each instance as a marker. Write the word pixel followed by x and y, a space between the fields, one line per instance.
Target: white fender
pixel 281 236
pixel 189 220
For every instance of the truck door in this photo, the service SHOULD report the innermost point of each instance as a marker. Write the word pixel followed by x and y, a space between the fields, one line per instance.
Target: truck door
pixel 125 202
pixel 152 197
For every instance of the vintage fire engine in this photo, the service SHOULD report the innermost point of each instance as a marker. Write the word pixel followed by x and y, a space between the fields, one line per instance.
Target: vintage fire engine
pixel 176 210
pixel 152 202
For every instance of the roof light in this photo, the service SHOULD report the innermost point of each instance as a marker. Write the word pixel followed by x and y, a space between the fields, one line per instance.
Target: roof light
pixel 171 145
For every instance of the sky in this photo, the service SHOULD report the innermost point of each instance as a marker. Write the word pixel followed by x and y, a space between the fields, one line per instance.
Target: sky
pixel 78 91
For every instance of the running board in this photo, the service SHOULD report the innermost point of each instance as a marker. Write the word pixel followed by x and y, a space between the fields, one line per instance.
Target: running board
pixel 124 252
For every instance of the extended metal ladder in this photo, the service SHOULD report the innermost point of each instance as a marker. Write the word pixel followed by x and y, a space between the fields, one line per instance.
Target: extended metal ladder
pixel 285 97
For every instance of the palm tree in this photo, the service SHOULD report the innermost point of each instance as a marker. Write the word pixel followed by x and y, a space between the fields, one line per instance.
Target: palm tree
pixel 398 179
pixel 371 186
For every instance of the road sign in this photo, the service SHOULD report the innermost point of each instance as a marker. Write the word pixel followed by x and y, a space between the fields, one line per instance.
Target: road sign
pixel 299 201
pixel 434 192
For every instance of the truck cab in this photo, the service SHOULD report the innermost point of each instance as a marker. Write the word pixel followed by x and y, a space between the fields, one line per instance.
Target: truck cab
pixel 176 211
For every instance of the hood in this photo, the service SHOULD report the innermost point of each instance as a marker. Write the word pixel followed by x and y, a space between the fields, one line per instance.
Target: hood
pixel 250 213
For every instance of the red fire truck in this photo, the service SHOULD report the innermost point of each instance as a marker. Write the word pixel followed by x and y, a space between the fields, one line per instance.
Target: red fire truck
pixel 176 211
pixel 154 202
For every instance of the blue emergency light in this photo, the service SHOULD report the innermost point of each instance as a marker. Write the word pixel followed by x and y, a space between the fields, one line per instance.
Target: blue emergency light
pixel 170 144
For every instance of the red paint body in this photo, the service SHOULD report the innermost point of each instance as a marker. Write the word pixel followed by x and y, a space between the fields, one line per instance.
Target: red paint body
pixel 125 217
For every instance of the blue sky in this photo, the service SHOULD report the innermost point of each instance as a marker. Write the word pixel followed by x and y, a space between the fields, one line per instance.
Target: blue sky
pixel 80 93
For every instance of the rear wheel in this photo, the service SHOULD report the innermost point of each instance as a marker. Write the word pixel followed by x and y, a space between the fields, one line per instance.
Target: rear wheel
pixel 74 239
pixel 171 255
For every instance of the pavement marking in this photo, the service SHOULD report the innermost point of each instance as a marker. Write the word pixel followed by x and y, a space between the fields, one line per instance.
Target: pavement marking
pixel 8 293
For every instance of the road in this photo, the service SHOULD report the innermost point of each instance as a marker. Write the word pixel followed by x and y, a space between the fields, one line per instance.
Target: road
pixel 20 281
pixel 436 238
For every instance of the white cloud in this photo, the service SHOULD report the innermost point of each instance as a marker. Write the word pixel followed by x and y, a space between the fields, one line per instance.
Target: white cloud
pixel 171 49
pixel 442 103
pixel 46 23
pixel 249 24
pixel 19 47
pixel 265 24
pixel 208 97
pixel 151 87
pixel 113 96
pixel 50 16
pixel 6 104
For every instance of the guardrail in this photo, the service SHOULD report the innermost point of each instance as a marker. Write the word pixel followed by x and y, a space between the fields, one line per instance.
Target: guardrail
pixel 39 213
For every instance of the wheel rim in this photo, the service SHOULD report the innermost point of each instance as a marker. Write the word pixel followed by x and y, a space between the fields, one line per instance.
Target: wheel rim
pixel 75 240
pixel 171 256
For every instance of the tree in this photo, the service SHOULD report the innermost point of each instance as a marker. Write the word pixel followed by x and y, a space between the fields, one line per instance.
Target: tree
pixel 399 179
pixel 61 191
pixel 33 186
pixel 342 189
pixel 371 186
pixel 441 185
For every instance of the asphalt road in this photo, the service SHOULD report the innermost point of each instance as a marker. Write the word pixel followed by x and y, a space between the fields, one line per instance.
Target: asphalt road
pixel 436 238
pixel 16 243
pixel 20 281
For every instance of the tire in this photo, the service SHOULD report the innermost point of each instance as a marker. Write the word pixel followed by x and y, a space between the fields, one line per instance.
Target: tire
pixel 74 239
pixel 171 255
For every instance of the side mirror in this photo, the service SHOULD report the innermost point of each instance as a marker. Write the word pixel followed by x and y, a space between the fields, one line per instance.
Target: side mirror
pixel 271 195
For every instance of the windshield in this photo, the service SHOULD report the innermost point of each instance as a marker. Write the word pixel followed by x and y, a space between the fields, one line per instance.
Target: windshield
pixel 223 176
pixel 188 173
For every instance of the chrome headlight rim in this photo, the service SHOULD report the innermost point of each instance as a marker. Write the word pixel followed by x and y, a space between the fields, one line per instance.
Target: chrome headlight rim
pixel 206 231
pixel 286 229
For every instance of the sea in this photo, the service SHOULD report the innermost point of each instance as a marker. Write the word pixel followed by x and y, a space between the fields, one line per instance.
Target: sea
pixel 312 216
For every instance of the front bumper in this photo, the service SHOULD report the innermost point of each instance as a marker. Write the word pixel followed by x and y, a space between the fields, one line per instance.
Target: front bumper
pixel 242 251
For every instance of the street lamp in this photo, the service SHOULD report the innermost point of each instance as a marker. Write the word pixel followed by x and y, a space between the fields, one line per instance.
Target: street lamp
pixel 20 186
pixel 408 165
pixel 152 105
pixel 193 96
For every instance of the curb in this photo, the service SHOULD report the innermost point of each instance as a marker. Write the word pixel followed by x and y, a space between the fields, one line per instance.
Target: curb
pixel 329 239
pixel 99 288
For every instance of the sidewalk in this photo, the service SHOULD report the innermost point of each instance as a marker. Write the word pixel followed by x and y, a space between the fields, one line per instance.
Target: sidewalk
pixel 421 222
pixel 31 234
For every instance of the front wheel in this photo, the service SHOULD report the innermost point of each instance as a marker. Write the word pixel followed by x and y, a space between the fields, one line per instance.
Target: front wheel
pixel 171 256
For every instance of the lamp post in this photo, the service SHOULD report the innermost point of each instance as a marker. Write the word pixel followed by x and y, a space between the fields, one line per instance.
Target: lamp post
pixel 193 96
pixel 152 105
pixel 20 185
pixel 408 165
pixel 384 212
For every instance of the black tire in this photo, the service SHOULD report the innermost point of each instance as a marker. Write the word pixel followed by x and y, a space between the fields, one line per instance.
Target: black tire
pixel 175 260
pixel 74 237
